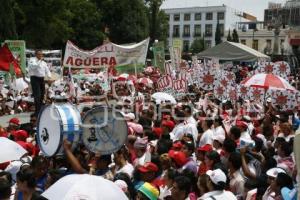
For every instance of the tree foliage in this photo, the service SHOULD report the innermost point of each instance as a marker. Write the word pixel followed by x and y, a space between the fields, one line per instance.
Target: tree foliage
pixel 50 23
pixel 197 46
pixel 7 20
pixel 126 20
pixel 229 39
pixel 235 36
pixel 218 37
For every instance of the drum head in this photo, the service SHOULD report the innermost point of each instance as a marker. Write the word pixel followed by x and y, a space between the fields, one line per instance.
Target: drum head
pixel 104 131
pixel 49 135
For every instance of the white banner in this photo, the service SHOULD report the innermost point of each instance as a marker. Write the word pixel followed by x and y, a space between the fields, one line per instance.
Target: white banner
pixel 126 58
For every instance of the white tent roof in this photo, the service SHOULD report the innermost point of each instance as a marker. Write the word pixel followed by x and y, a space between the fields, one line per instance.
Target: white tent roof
pixel 232 51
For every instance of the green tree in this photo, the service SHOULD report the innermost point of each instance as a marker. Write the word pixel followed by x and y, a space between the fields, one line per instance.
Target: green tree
pixel 218 37
pixel 43 24
pixel 7 20
pixel 235 36
pixel 86 24
pixel 158 21
pixel 197 46
pixel 229 39
pixel 127 20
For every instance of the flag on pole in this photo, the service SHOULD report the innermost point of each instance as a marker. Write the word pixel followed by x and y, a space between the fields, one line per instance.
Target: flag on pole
pixel 7 59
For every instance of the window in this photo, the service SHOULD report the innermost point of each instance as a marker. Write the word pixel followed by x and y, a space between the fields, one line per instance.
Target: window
pixel 207 44
pixel 243 42
pixel 197 16
pixel 220 15
pixel 221 26
pixel 176 31
pixel 176 17
pixel 208 29
pixel 187 17
pixel 209 16
pixel 197 30
pixel 186 45
pixel 255 44
pixel 186 30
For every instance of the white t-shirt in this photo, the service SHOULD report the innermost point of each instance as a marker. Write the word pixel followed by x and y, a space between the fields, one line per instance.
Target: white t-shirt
pixel 219 131
pixel 128 168
pixel 206 138
pixel 38 68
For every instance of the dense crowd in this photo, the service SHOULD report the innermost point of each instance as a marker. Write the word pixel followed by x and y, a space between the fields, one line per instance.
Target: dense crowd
pixel 199 148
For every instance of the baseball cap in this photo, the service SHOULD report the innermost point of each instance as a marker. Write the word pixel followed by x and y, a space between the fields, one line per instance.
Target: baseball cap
pixel 275 171
pixel 20 135
pixel 141 143
pixel 269 100
pixel 216 176
pixel 149 190
pixel 178 156
pixel 170 124
pixel 220 138
pixel 205 148
pixel 148 167
pixel 15 121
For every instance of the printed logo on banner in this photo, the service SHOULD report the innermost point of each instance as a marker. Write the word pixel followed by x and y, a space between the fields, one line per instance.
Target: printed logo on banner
pixel 207 79
pixel 165 83
pixel 285 99
pixel 180 85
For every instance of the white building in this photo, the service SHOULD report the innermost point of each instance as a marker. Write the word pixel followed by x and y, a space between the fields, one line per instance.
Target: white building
pixel 194 22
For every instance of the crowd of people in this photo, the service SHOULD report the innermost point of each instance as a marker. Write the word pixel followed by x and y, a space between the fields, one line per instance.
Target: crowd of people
pixel 197 149
pixel 216 153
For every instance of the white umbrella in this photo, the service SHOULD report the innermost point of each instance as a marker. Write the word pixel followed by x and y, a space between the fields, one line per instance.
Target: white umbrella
pixel 84 186
pixel 161 96
pixel 10 150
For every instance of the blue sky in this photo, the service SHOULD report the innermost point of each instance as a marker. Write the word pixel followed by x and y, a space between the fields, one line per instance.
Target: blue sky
pixel 254 7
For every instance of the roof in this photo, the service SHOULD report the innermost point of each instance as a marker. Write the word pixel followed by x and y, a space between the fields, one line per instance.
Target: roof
pixel 232 51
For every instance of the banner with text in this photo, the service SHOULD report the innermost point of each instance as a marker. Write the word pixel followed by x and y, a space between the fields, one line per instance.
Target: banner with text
pixel 126 58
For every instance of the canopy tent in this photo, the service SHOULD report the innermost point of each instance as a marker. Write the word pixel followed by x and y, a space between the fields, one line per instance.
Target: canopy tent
pixel 233 51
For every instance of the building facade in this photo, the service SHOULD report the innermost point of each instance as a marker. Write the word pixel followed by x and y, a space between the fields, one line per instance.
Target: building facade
pixel 200 22
pixel 262 40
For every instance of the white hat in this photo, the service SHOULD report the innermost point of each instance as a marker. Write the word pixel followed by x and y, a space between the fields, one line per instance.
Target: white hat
pixel 216 176
pixel 219 137
pixel 269 100
pixel 129 116
pixel 275 171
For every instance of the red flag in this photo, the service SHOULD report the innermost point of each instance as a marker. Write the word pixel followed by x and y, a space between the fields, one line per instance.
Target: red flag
pixel 7 58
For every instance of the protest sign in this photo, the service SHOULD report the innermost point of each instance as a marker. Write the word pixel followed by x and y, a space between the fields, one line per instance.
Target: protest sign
pixel 17 47
pixel 126 59
pixel 159 55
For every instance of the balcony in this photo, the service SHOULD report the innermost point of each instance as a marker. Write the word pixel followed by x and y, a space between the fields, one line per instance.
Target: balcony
pixel 197 34
pixel 208 34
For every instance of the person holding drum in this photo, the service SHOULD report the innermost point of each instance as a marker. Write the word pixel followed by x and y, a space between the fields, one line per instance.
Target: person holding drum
pixel 38 70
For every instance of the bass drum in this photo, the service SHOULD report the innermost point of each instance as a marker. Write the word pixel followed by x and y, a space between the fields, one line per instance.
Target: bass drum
pixel 57 122
pixel 104 130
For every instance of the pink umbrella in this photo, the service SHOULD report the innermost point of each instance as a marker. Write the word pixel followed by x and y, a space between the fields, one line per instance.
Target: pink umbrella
pixel 127 77
pixel 267 81
pixel 145 81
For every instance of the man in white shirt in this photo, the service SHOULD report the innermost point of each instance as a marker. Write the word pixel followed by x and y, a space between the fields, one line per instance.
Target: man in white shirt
pixel 38 69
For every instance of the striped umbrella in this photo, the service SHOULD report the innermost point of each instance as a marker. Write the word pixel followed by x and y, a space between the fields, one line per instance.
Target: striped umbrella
pixel 145 81
pixel 127 77
pixel 267 81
